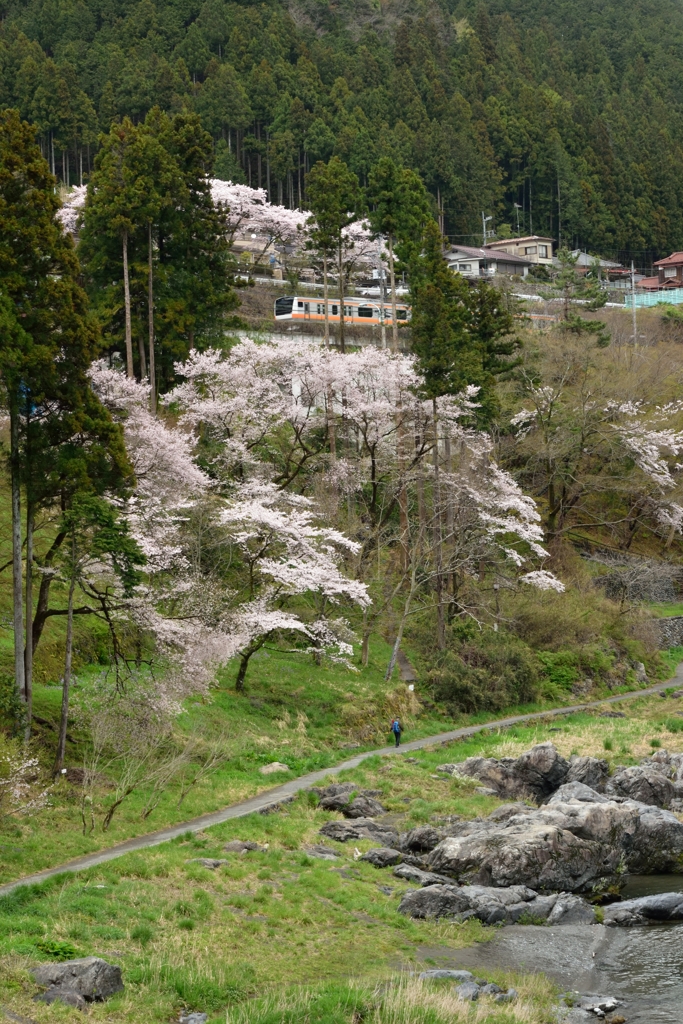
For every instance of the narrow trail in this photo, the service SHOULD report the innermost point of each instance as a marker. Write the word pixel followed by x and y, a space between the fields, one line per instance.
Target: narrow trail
pixel 289 789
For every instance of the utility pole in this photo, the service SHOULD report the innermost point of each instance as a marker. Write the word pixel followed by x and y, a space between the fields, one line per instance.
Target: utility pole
pixel 517 209
pixel 383 326
pixel 633 303
pixel 484 222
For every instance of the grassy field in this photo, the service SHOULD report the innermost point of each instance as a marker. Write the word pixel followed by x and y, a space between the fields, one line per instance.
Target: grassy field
pixel 303 715
pixel 277 937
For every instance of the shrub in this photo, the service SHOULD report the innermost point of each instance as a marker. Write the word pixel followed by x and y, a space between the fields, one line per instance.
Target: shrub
pixel 487 672
pixel 57 949
pixel 142 933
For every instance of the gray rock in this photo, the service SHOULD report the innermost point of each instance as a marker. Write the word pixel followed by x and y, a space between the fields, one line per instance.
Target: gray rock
pixel 461 976
pixel 469 991
pixel 360 828
pixel 490 905
pixel 658 842
pixel 571 909
pixel 57 994
pixel 541 770
pixel 589 770
pixel 208 862
pixel 321 852
pixel 666 906
pixel 566 847
pixel 643 783
pixel 383 857
pixel 242 846
pixel 409 873
pixel 194 1018
pixel 612 714
pixel 363 807
pixel 490 989
pixel 577 791
pixel 605 1004
pixel 421 839
pixel 434 901
pixel 91 977
pixel 537 772
pixel 506 997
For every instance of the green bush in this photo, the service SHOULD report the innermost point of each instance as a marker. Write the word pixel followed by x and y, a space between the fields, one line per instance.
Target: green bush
pixel 488 672
pixel 57 949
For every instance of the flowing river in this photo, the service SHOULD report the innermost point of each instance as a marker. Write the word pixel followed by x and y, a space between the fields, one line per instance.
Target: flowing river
pixel 641 966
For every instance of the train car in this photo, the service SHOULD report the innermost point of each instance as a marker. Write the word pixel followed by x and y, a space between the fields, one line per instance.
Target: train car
pixel 356 311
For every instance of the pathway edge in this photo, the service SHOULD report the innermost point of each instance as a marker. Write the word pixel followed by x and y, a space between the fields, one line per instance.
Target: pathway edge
pixel 289 789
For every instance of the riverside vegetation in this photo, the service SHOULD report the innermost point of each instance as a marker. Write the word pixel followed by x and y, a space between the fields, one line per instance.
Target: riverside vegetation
pixel 252 933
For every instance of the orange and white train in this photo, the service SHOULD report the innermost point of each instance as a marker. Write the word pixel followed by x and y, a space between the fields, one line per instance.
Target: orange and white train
pixel 356 311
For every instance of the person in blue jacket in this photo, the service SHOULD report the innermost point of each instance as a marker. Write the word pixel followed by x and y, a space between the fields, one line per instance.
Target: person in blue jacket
pixel 397 730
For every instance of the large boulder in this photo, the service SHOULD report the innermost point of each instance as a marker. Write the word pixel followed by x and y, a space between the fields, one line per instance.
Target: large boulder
pixel 360 828
pixel 658 843
pixel 645 783
pixel 529 850
pixel 363 807
pixel 383 857
pixel 666 906
pixel 421 839
pixel 589 770
pixel 572 791
pixel 535 773
pixel 92 978
pixel 541 770
pixel 338 797
pixel 492 906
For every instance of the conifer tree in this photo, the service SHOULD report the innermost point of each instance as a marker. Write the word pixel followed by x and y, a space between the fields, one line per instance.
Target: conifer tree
pixel 62 439
pixel 335 200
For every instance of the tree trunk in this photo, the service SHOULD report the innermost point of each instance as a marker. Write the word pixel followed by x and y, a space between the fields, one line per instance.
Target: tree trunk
pixel 325 297
pixel 392 277
pixel 241 674
pixel 150 309
pixel 18 617
pixel 28 648
pixel 126 298
pixel 143 357
pixel 63 721
pixel 436 527
pixel 342 340
pixel 365 649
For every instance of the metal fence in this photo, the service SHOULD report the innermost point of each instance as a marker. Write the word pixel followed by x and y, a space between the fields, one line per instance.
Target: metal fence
pixel 673 297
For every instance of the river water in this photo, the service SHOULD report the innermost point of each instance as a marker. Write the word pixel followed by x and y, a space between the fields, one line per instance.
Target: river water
pixel 641 966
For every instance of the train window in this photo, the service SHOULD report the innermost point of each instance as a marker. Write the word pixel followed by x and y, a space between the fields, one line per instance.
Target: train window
pixel 307 307
pixel 284 306
pixel 320 309
pixel 301 305
pixel 366 311
pixel 335 310
pixel 401 314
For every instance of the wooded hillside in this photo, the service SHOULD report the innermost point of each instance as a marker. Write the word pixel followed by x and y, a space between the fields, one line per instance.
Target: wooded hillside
pixel 572 111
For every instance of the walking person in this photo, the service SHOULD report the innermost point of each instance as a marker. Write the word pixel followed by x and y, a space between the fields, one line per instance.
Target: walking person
pixel 397 730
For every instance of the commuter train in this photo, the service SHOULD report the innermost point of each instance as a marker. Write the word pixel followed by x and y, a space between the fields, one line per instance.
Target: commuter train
pixel 356 311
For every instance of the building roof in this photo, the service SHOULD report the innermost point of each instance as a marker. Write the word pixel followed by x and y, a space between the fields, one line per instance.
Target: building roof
pixel 473 253
pixel 584 259
pixel 649 283
pixel 519 241
pixel 674 260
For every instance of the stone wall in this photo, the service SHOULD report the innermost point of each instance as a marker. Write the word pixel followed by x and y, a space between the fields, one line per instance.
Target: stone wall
pixel 670 631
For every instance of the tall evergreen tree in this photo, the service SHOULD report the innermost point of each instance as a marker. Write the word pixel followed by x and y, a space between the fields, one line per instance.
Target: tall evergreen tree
pixel 61 438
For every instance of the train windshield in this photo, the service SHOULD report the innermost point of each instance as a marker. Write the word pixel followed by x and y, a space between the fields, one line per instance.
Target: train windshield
pixel 284 306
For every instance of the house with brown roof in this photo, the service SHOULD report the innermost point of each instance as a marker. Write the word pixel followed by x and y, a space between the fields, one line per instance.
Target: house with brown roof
pixel 535 248
pixel 670 271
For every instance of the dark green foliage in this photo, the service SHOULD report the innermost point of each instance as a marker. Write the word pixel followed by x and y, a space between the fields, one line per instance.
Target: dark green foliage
pixel 461 334
pixel 571 110
pixel 488 671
